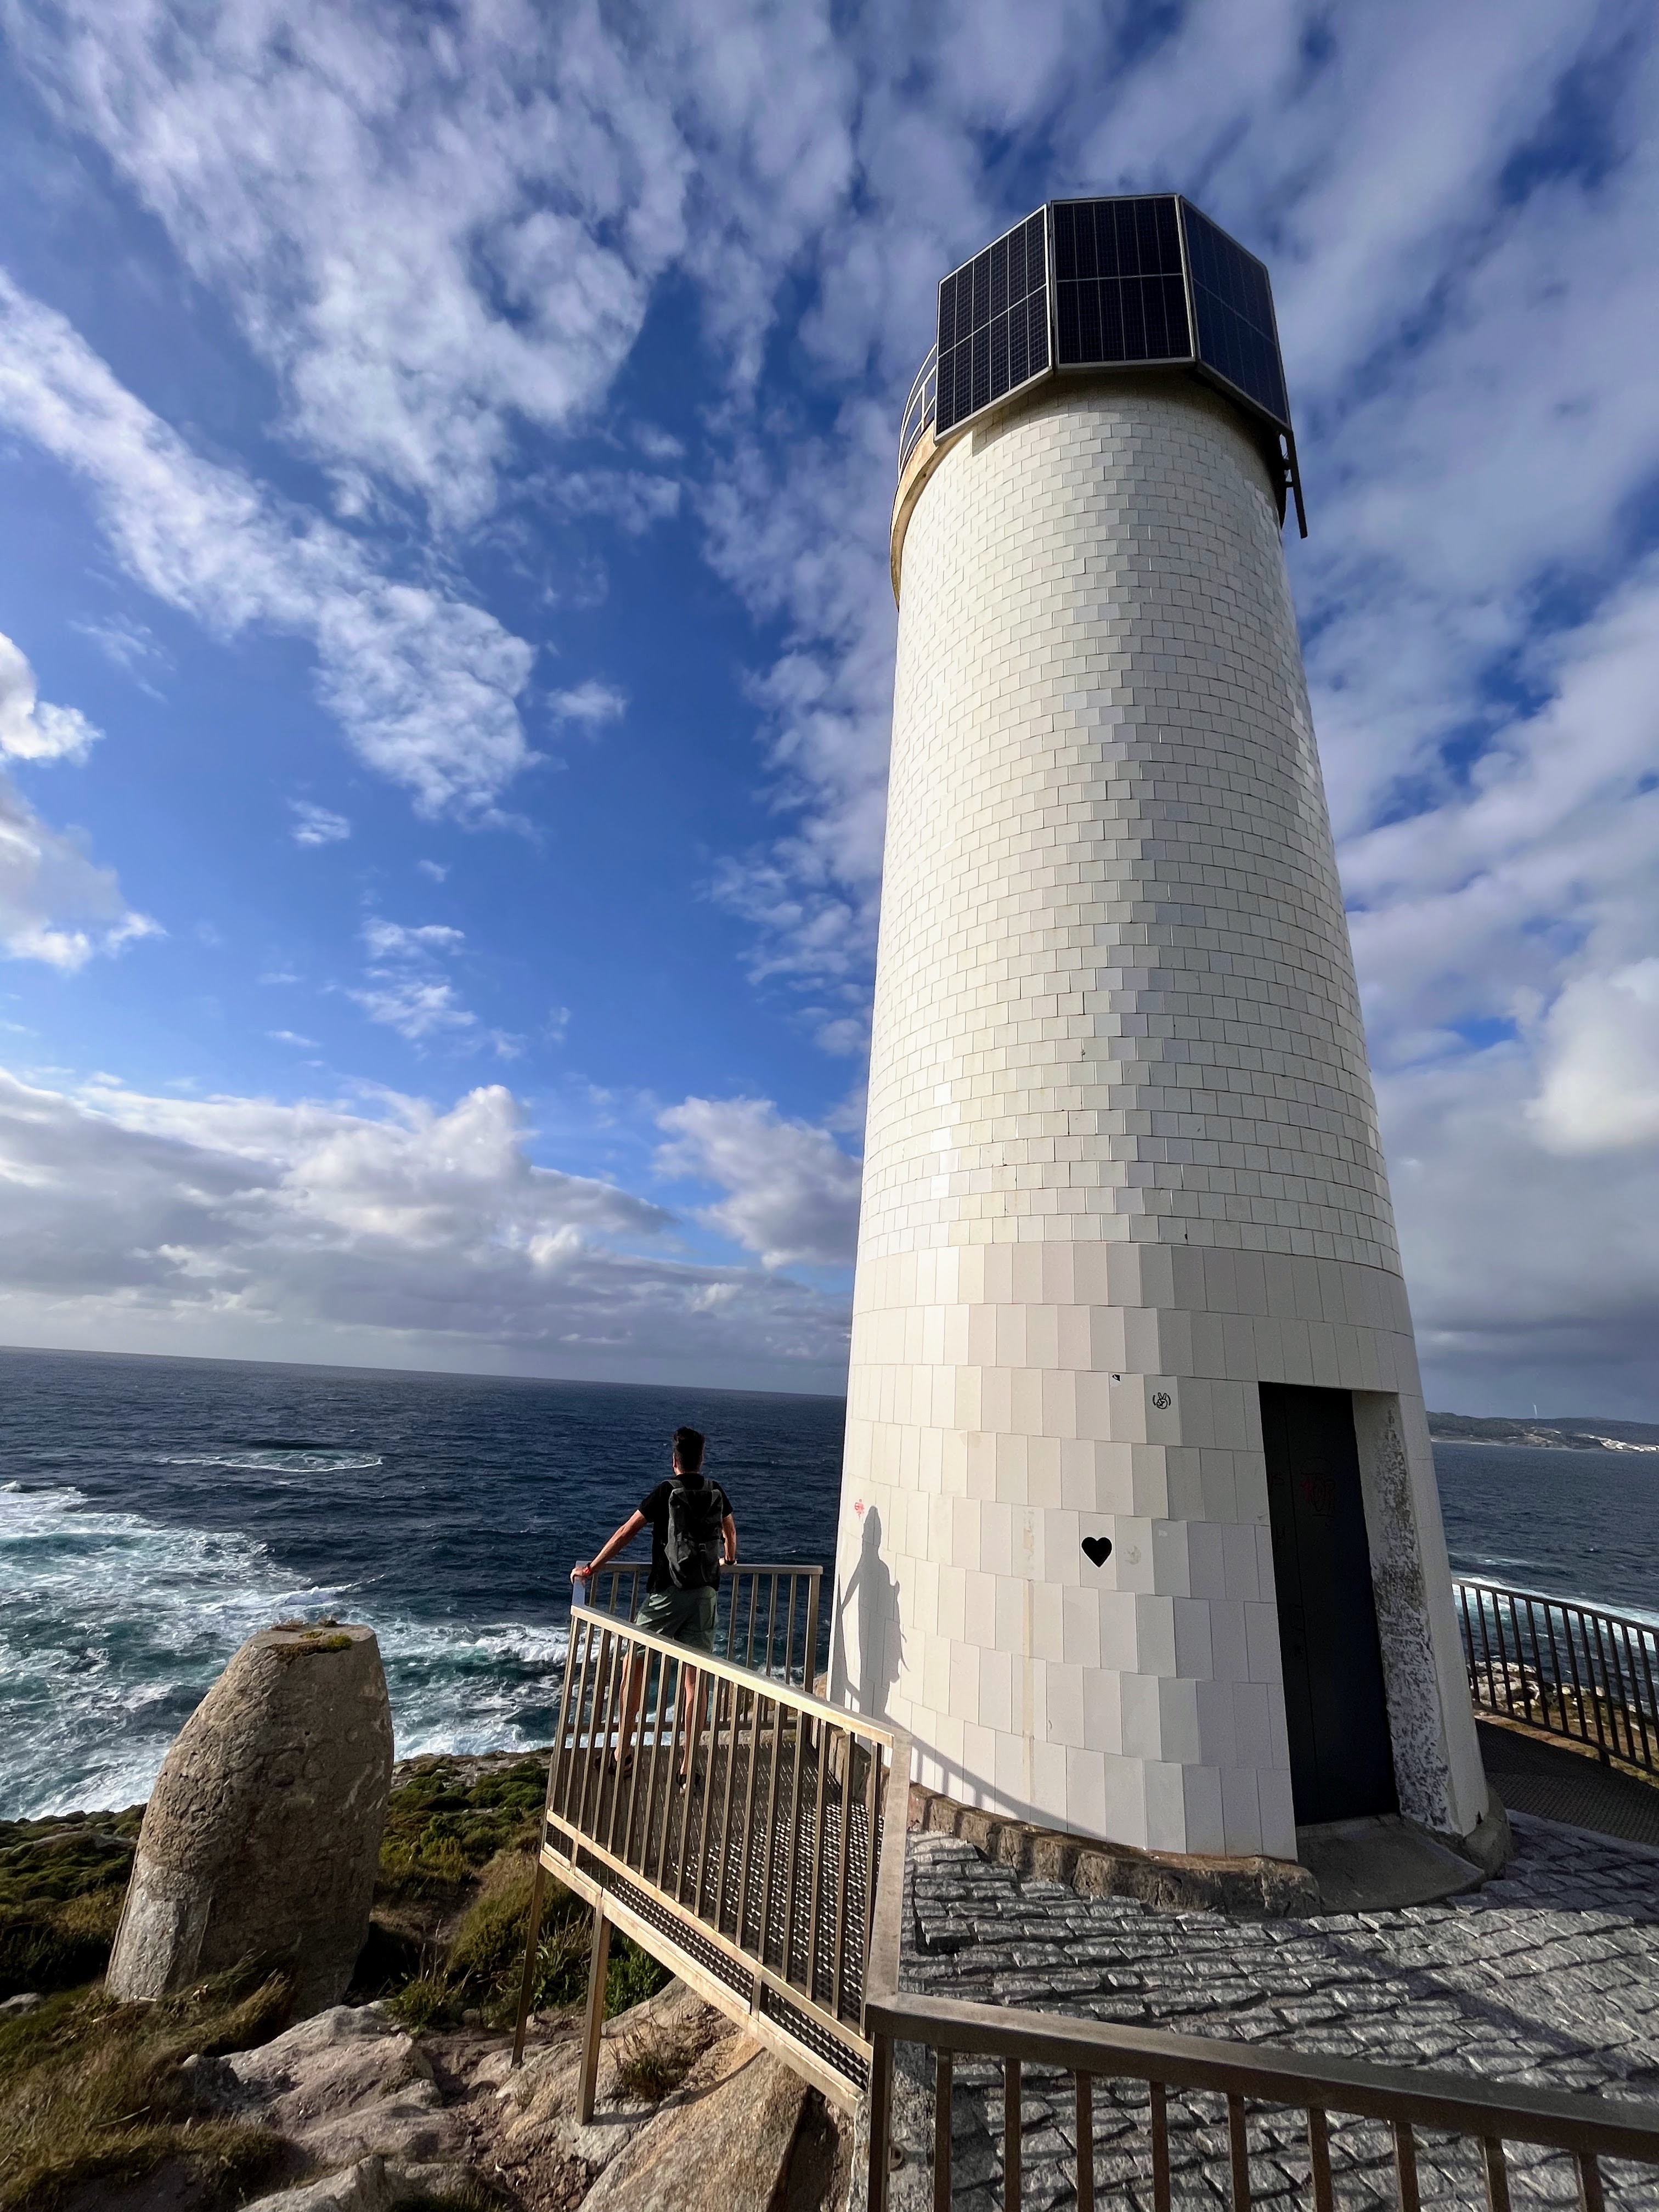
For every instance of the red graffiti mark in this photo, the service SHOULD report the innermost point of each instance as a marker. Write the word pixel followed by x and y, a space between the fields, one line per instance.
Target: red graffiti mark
pixel 858 1507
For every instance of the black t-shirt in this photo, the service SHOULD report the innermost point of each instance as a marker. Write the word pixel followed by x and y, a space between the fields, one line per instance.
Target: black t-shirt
pixel 654 1506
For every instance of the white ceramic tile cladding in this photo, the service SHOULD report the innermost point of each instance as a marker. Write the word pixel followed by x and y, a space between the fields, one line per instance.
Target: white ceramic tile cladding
pixel 1122 1160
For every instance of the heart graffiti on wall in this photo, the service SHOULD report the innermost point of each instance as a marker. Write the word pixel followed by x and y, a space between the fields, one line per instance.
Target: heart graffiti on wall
pixel 1098 1549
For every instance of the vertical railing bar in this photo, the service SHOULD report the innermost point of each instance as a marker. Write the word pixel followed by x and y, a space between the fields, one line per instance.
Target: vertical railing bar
pixel 756 1700
pixel 652 1660
pixel 1599 1692
pixel 754 1614
pixel 1650 1711
pixel 1085 2143
pixel 1160 2125
pixel 593 1710
pixel 881 2102
pixel 1519 1663
pixel 789 1636
pixel 641 1659
pixel 1581 1731
pixel 945 2067
pixel 737 1695
pixel 1404 2165
pixel 670 1797
pixel 1497 2173
pixel 1011 2133
pixel 1460 1599
pixel 558 1771
pixel 1480 1596
pixel 849 1742
pixel 585 1626
pixel 1589 2181
pixel 1527 1673
pixel 708 1693
pixel 823 1736
pixel 809 1660
pixel 1555 1668
pixel 696 1796
pixel 772 1625
pixel 872 1797
pixel 1238 2153
pixel 1319 2157
pixel 1618 1707
pixel 771 1827
pixel 625 1653
pixel 803 1724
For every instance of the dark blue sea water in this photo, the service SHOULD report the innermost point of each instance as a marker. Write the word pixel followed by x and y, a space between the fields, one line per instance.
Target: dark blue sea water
pixel 154 1512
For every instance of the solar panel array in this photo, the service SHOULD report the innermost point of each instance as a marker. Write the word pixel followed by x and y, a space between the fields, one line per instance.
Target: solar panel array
pixel 1234 308
pixel 1118 293
pixel 1102 283
pixel 993 323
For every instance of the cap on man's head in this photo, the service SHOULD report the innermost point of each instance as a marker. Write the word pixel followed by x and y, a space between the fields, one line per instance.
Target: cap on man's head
pixel 688 1450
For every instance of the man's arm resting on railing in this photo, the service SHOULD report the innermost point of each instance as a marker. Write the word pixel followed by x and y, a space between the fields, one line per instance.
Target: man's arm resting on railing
pixel 584 1570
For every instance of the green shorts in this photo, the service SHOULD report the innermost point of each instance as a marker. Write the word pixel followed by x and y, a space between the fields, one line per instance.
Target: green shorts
pixel 684 1616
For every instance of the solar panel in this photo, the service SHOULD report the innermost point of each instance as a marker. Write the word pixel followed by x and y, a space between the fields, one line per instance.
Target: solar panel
pixel 993 323
pixel 1233 306
pixel 1118 292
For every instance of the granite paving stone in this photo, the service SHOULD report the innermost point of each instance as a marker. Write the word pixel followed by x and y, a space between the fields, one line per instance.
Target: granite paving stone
pixel 1548 1976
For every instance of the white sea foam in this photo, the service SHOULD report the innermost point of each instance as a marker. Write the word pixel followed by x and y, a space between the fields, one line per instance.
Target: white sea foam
pixel 112 1625
pixel 273 1460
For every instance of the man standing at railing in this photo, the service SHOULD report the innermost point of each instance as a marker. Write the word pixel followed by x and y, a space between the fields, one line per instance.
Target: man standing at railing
pixel 693 1535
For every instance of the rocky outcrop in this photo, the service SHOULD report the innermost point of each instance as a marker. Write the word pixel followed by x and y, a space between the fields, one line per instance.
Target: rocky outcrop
pixel 262 1833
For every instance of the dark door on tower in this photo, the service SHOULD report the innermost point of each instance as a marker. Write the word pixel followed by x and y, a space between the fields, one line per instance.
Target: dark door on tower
pixel 1341 1759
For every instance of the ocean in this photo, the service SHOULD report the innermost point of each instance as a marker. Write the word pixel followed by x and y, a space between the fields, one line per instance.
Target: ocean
pixel 154 1512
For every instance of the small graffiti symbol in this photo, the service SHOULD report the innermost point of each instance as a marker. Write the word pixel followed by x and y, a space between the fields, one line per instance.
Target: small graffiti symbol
pixel 1319 1491
pixel 1098 1549
pixel 1161 1399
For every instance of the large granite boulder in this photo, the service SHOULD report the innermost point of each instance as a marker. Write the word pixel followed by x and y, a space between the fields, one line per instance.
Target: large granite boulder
pixel 262 1833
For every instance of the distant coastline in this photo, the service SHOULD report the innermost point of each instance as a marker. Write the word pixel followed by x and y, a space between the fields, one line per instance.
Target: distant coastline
pixel 1564 1433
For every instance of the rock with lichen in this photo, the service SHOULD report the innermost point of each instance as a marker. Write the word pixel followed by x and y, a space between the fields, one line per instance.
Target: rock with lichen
pixel 262 1833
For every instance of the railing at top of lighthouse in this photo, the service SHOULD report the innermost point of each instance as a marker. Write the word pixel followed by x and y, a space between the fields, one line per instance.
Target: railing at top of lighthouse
pixel 921 407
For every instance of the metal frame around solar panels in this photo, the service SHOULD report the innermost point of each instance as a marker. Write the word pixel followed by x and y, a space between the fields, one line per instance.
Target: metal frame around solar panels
pixel 1046 212
pixel 1292 474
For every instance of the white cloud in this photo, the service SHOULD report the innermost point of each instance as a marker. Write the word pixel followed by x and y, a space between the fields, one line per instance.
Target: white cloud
pixel 591 705
pixel 317 825
pixel 416 1006
pixel 403 1233
pixel 424 684
pixel 293 1037
pixel 793 1192
pixel 1600 1064
pixel 438 870
pixel 394 940
pixel 31 730
pixel 631 499
pixel 56 905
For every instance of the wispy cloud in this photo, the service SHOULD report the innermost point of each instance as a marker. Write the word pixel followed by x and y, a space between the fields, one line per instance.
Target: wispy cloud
pixel 591 705
pixel 424 684
pixel 791 1192
pixel 317 825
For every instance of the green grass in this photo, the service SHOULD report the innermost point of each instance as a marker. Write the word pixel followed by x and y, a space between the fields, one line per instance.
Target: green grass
pixel 90 2089
pixel 61 1886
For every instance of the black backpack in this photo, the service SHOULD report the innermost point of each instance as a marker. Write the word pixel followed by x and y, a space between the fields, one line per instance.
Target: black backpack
pixel 691 1541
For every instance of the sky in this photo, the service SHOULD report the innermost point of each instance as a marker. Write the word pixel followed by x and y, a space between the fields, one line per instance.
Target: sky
pixel 446 642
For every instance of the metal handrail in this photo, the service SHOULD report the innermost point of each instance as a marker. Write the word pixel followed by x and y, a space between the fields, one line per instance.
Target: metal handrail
pixel 1568 1670
pixel 752 1877
pixel 921 406
pixel 781 1598
pixel 1493 2114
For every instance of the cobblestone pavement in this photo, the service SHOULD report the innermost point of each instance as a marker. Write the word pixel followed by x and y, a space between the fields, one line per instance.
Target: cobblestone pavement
pixel 1549 1976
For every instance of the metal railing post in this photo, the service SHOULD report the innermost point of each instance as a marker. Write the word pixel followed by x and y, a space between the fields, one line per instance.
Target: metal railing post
pixel 594 2018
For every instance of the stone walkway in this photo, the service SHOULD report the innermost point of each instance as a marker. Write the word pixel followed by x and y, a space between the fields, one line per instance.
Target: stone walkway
pixel 1549 1975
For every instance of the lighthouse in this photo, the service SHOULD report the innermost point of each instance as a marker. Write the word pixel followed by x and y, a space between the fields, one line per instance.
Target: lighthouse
pixel 1138 1534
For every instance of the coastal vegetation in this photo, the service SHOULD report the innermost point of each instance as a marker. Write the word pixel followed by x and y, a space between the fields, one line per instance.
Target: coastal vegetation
pixel 91 2089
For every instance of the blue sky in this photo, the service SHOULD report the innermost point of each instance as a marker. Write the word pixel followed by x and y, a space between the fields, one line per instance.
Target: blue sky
pixel 446 455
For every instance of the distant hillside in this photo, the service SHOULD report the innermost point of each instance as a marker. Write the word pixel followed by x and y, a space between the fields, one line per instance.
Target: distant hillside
pixel 1558 1432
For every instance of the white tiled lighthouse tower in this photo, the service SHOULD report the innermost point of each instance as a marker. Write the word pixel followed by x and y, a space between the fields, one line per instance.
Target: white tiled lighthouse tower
pixel 1123 1165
